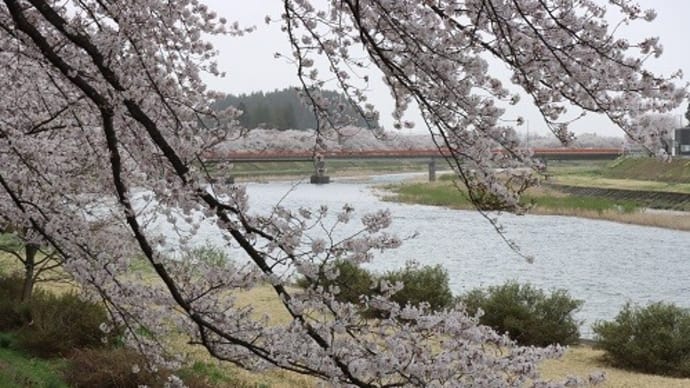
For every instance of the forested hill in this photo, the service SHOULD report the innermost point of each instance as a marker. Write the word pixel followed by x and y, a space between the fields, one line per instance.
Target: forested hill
pixel 281 109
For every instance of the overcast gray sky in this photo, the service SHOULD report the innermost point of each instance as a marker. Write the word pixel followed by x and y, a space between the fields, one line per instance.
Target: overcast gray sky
pixel 250 64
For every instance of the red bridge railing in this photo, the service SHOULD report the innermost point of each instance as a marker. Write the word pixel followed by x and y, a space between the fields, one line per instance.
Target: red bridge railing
pixel 269 155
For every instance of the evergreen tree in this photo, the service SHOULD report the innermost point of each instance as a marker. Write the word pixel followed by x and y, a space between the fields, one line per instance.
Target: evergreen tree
pixel 283 109
pixel 245 117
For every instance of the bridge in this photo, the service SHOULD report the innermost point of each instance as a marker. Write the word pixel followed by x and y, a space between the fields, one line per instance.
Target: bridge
pixel 299 156
pixel 545 154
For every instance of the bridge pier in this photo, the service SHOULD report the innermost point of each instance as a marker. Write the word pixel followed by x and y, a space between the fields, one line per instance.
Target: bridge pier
pixel 432 170
pixel 319 177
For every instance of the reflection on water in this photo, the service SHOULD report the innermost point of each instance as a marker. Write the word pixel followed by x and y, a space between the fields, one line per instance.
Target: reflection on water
pixel 601 262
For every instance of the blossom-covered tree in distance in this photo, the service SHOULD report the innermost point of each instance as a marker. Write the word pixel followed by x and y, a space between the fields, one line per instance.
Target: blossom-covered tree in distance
pixel 660 126
pixel 104 121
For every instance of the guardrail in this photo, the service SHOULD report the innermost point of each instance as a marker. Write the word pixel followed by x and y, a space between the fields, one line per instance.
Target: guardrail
pixel 542 153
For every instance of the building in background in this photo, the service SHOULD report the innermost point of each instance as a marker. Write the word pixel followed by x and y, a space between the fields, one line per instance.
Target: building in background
pixel 681 142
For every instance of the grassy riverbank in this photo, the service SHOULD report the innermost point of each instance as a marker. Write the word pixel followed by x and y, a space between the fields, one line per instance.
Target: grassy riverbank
pixel 626 174
pixel 19 369
pixel 650 169
pixel 543 201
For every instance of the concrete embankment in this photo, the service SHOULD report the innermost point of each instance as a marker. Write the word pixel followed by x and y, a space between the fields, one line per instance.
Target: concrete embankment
pixel 652 199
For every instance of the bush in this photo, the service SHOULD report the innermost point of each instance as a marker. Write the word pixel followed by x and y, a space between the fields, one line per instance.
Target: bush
pixel 653 339
pixel 12 313
pixel 6 340
pixel 50 325
pixel 352 280
pixel 109 369
pixel 422 284
pixel 10 242
pixel 63 323
pixel 527 314
pixel 116 368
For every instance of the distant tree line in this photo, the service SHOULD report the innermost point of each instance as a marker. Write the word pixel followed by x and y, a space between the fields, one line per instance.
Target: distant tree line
pixel 283 109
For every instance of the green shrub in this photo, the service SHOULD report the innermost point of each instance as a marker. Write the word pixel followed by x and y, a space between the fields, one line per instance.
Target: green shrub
pixel 121 367
pixel 422 284
pixel 527 314
pixel 10 242
pixel 49 325
pixel 11 286
pixel 653 339
pixel 352 281
pixel 109 369
pixel 63 323
pixel 6 340
pixel 12 313
pixel 20 371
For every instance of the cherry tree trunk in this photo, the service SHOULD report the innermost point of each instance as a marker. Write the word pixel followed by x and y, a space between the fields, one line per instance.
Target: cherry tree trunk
pixel 29 269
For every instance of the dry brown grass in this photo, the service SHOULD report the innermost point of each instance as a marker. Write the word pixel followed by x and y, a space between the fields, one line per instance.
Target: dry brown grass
pixel 9 264
pixel 265 303
pixel 668 220
pixel 583 360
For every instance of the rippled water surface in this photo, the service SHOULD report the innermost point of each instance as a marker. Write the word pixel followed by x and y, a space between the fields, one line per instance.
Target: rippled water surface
pixel 603 263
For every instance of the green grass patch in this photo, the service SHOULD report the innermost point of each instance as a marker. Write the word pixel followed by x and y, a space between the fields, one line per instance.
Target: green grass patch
pixel 445 193
pixel 19 370
pixel 213 373
pixel 140 265
pixel 650 169
pixel 10 242
pixel 579 167
pixel 626 173
pixel 624 184
pixel 442 193
pixel 626 168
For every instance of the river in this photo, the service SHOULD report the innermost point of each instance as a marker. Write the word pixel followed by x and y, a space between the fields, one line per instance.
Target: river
pixel 603 263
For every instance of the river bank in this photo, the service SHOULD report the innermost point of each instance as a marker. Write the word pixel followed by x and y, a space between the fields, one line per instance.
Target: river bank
pixel 542 201
pixel 17 367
